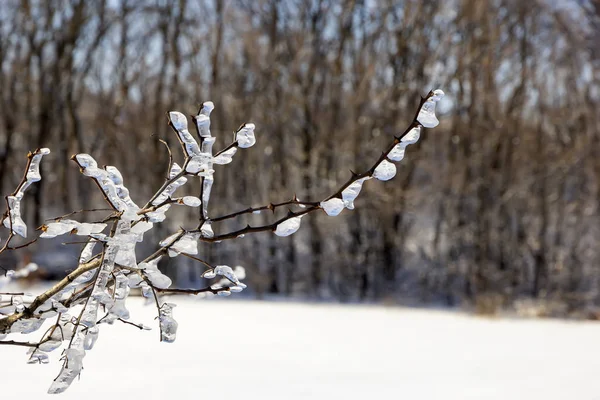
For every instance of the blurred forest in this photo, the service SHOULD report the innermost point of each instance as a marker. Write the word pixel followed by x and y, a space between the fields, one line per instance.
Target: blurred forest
pixel 498 204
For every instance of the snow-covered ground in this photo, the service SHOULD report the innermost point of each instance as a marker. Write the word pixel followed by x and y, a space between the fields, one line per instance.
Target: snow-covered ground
pixel 234 349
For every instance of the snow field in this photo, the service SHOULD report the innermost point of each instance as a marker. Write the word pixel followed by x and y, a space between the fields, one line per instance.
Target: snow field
pixel 232 349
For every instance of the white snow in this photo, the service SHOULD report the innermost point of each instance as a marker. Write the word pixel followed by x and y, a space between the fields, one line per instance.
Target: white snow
pixel 267 350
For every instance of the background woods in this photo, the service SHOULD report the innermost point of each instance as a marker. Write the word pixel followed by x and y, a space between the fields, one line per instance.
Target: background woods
pixel 500 203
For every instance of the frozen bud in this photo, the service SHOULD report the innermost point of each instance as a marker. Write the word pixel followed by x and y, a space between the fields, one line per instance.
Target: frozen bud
pixel 86 161
pixel 225 157
pixel 426 116
pixel 288 227
pixel 178 120
pixel 245 136
pixel 191 201
pixel 351 192
pixel 333 206
pixel 385 171
pixel 210 274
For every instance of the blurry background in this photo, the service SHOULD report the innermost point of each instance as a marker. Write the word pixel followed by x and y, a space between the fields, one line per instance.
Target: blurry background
pixel 496 206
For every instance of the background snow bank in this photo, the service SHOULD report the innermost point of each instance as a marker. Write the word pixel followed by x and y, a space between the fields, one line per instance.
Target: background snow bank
pixel 266 350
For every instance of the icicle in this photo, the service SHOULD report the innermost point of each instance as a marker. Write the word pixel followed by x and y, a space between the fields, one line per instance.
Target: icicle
pixel 15 221
pixel 91 337
pixel 288 227
pixel 206 188
pixel 168 325
pixel 72 365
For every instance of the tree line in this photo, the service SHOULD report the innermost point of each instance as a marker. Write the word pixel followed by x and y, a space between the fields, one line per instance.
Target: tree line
pixel 499 202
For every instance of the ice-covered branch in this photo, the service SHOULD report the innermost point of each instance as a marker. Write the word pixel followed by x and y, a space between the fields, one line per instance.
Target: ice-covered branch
pixel 12 217
pixel 108 268
pixel 383 169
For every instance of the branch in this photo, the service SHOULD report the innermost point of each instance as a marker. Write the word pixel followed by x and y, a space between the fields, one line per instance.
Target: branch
pixel 314 205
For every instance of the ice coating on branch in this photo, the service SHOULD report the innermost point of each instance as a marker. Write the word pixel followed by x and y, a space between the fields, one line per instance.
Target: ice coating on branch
pixel 33 172
pixel 115 175
pixel 121 287
pixel 180 123
pixel 351 192
pixel 172 187
pixel 26 325
pixel 169 240
pixel 187 244
pixel 86 161
pixel 90 314
pixel 210 274
pixel 91 337
pixel 203 119
pixel 385 171
pixel 126 253
pixel 199 165
pixel 159 214
pixel 397 152
pixel 54 229
pixel 288 227
pixel 205 168
pixel 63 226
pixel 426 116
pixel 190 201
pixel 227 272
pixel 206 189
pixel 245 136
pixel 333 206
pixel 225 157
pixel 140 228
pixel 168 325
pixel 37 356
pixel 72 365
pixel 117 196
pixel 14 220
pixel 121 238
pixel 157 278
